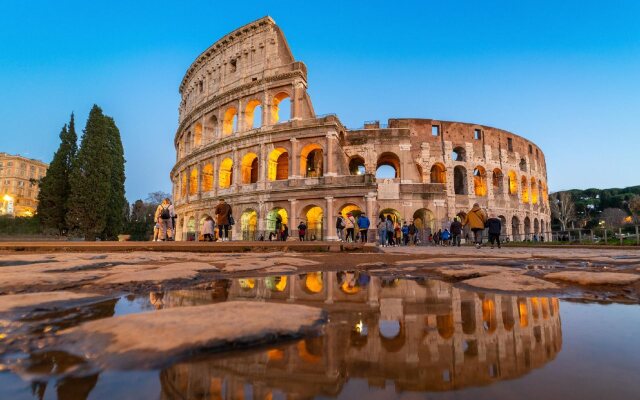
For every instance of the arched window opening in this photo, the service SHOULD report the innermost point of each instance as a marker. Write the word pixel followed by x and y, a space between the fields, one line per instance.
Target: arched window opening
pixel 459 154
pixel 210 129
pixel 508 319
pixel 525 189
pixel 253 115
pixel 356 166
pixel 313 216
pixel 193 182
pixel 230 122
pixel 534 191
pixel 438 173
pixel 515 228
pixel 527 228
pixel 225 178
pixel 388 166
pixel 503 224
pixel 392 335
pixel 249 224
pixel 281 108
pixel 536 226
pixel 311 161
pixel 188 144
pixel 489 319
pixel 350 208
pixel 497 180
pixel 390 212
pixel 513 183
pixel 276 218
pixel 278 164
pixel 207 178
pixel 424 221
pixel 468 314
pixel 480 181
pixel 183 185
pixel 197 135
pixel 445 325
pixel 523 164
pixel 460 180
pixel 249 168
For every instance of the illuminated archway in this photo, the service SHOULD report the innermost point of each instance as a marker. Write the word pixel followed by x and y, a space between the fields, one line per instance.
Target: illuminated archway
pixel 497 181
pixel 249 224
pixel 513 183
pixel 278 168
pixel 193 182
pixel 207 178
pixel 445 325
pixel 253 114
pixel 311 161
pixel 225 175
pixel 183 188
pixel 536 226
pixel 460 180
pixel 249 167
pixel 276 283
pixel 191 225
pixel 527 228
pixel 525 189
pixel 424 220
pixel 278 103
pixel 313 216
pixel 515 228
pixel 350 208
pixel 395 215
pixel 523 312
pixel 468 315
pixel 197 135
pixel 356 166
pixel 534 191
pixel 230 121
pixel 312 282
pixel 480 181
pixel 277 217
pixel 438 173
pixel 489 319
pixel 508 319
pixel 388 166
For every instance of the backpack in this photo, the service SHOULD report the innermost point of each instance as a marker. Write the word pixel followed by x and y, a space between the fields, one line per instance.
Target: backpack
pixel 165 214
pixel 340 223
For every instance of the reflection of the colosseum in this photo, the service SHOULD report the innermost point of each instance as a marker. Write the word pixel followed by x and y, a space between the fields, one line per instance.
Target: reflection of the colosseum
pixel 422 335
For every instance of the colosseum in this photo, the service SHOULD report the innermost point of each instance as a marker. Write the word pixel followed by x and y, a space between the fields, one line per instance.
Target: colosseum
pixel 248 133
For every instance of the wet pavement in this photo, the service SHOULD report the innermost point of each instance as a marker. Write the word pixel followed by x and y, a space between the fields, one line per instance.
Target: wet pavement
pixel 387 337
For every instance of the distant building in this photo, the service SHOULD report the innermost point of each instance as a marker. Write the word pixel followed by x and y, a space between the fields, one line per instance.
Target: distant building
pixel 19 184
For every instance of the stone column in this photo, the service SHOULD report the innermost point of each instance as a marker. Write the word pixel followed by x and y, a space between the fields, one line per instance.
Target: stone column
pixel 293 218
pixel 330 227
pixel 294 160
pixel 263 165
pixel 296 101
pixel 329 157
pixel 405 163
pixel 266 110
pixel 216 176
pixel 241 123
pixel 235 174
pixel 370 199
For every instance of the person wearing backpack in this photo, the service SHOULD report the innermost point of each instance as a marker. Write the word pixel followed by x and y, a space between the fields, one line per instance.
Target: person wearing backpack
pixel 382 231
pixel 163 218
pixel 475 219
pixel 405 233
pixel 350 224
pixel 340 225
pixel 302 230
pixel 363 227
pixel 391 231
pixel 223 217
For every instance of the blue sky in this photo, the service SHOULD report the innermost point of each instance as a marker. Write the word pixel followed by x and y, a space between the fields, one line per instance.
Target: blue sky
pixel 563 74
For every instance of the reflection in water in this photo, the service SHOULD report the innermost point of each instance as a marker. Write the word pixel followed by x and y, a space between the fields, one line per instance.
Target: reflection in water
pixel 421 335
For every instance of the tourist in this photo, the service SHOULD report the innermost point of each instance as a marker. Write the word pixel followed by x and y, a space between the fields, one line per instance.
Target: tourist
pixel 445 236
pixel 223 213
pixel 302 230
pixel 156 231
pixel 475 219
pixel 285 233
pixel 278 227
pixel 173 214
pixel 495 228
pixel 363 227
pixel 271 236
pixel 405 233
pixel 456 231
pixel 163 218
pixel 398 233
pixel 350 224
pixel 340 225
pixel 382 231
pixel 208 230
pixel 436 237
pixel 390 231
pixel 412 233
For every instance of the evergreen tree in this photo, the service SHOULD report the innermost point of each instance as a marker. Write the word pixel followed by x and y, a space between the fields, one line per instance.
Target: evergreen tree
pixel 54 186
pixel 97 181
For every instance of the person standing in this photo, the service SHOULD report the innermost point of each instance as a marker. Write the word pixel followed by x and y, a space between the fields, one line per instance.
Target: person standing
pixel 172 212
pixel 350 224
pixel 382 231
pixel 340 224
pixel 405 233
pixel 475 219
pixel 278 229
pixel 302 230
pixel 391 231
pixel 412 232
pixel 456 231
pixel 285 233
pixel 223 214
pixel 495 228
pixel 163 218
pixel 208 230
pixel 363 226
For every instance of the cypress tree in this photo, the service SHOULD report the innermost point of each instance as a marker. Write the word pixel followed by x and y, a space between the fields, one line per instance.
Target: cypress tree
pixel 117 207
pixel 54 186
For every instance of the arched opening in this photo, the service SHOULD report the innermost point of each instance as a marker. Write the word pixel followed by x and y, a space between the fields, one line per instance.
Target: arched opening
pixel 468 315
pixel 445 325
pixel 503 225
pixel 536 226
pixel 523 312
pixel 497 181
pixel 183 185
pixel 313 216
pixel 253 114
pixel 438 173
pixel 249 224
pixel 225 177
pixel 515 228
pixel 193 182
pixel 207 178
pixel 424 221
pixel 489 320
pixel 391 335
pixel 310 350
pixel 513 183
pixel 280 108
pixel 527 228
pixel 278 164
pixel 230 121
pixel 276 283
pixel 544 307
pixel 460 180
pixel 197 135
pixel 535 313
pixel 422 178
pixel 525 189
pixel 388 166
pixel 523 165
pixel 249 168
pixel 312 282
pixel 211 128
pixel 480 181
pixel 356 166
pixel 191 228
pixel 394 214
pixel 203 218
pixel 276 218
pixel 508 319
pixel 311 161
pixel 350 208
pixel 188 143
pixel 534 191
pixel 459 154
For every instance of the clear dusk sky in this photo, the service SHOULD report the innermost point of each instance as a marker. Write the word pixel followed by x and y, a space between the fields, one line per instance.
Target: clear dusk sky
pixel 564 74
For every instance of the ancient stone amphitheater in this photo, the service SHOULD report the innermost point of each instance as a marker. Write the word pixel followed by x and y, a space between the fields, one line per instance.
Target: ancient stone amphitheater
pixel 248 133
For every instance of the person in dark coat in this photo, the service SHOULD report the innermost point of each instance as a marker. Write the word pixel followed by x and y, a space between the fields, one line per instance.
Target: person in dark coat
pixel 302 230
pixel 456 231
pixel 222 213
pixel 495 228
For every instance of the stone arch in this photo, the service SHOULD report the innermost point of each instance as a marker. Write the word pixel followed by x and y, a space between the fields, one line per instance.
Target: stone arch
pixel 249 224
pixel 253 110
pixel 211 128
pixel 503 223
pixel 188 145
pixel 459 154
pixel 314 216
pixel 197 135
pixel 534 191
pixel 230 121
pixel 388 159
pixel 311 161
pixel 277 217
pixel 424 220
pixel 445 325
pixel 183 185
pixel 438 173
pixel 527 228
pixel 460 180
pixel 392 336
pixel 480 181
pixel 193 182
pixel 468 316
pixel 498 181
pixel 489 318
pixel 536 226
pixel 525 189
pixel 207 177
pixel 276 283
pixel 276 104
pixel 278 168
pixel 523 165
pixel 225 174
pixel 312 283
pixel 513 183
pixel 523 312
pixel 357 165
pixel 354 209
pixel 515 228
pixel 395 215
pixel 508 319
pixel 191 228
pixel 249 168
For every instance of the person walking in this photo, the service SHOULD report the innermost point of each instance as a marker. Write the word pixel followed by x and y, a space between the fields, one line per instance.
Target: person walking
pixel 475 219
pixel 456 231
pixel 391 231
pixel 340 225
pixel 495 228
pixel 412 233
pixel 163 218
pixel 302 230
pixel 405 233
pixel 350 224
pixel 363 227
pixel 285 233
pixel 223 215
pixel 382 231
pixel 208 230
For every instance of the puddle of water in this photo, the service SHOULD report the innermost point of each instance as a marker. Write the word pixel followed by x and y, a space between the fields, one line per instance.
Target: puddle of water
pixel 386 338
